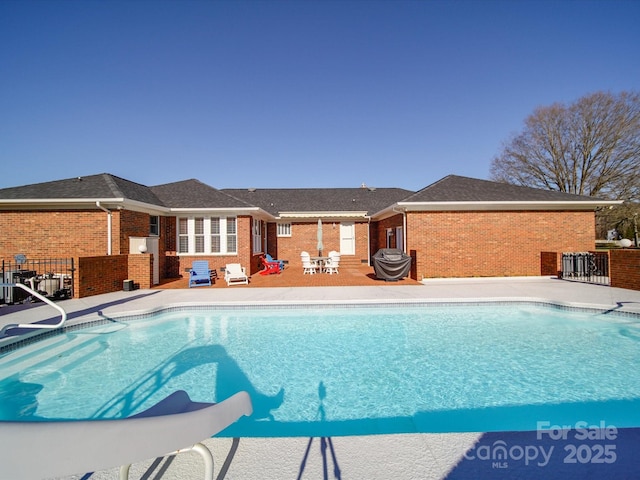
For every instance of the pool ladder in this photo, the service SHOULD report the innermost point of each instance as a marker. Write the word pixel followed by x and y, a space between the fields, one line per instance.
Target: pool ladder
pixel 34 326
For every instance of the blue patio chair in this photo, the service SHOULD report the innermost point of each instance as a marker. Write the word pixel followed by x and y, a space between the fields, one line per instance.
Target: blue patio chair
pixel 271 260
pixel 200 275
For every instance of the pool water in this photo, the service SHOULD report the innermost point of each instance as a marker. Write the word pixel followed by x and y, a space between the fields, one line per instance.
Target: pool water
pixel 343 371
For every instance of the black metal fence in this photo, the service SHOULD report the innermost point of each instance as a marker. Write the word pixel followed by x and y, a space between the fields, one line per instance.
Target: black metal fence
pixel 586 267
pixel 51 277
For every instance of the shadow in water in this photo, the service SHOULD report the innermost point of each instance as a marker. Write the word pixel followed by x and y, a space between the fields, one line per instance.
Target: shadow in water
pixel 325 442
pixel 18 399
pixel 230 379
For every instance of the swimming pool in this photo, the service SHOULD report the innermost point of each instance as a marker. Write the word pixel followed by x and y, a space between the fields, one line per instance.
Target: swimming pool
pixel 340 370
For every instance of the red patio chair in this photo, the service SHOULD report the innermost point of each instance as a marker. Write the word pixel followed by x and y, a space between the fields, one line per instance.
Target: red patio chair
pixel 269 267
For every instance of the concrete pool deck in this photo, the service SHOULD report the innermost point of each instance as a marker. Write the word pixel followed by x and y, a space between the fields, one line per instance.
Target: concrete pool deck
pixel 405 456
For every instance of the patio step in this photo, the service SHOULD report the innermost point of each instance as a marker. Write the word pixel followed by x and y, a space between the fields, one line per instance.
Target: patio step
pixel 351 261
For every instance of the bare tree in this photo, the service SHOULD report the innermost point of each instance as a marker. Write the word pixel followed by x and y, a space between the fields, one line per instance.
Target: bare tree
pixel 590 147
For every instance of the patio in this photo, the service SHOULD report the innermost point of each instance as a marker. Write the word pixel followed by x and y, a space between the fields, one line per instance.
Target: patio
pixel 292 276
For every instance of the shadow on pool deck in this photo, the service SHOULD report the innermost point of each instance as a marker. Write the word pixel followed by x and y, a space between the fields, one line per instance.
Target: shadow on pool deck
pixel 563 455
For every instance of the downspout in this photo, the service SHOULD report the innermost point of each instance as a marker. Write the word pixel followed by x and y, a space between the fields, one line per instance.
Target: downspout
pixel 108 226
pixel 368 241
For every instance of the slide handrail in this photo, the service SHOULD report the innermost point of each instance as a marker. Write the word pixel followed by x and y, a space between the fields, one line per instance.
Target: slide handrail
pixel 34 326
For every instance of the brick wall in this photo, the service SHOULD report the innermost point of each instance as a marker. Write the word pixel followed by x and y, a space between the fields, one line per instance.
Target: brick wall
pixel 98 275
pixel 624 268
pixel 140 270
pixel 501 243
pixel 76 233
pixel 379 239
pixel 549 263
pixel 69 233
pixel 127 223
pixel 105 274
pixel 304 237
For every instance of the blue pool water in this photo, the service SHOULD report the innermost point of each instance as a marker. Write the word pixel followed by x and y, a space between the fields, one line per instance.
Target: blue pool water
pixel 343 371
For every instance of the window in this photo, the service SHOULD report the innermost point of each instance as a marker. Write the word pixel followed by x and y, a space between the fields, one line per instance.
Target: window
pixel 154 225
pixel 183 235
pixel 284 230
pixel 232 236
pixel 257 235
pixel 198 231
pixel 202 235
pixel 216 243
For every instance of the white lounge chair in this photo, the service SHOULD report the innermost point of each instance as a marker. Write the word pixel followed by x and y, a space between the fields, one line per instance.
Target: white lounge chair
pixel 234 274
pixel 30 450
pixel 332 264
pixel 307 265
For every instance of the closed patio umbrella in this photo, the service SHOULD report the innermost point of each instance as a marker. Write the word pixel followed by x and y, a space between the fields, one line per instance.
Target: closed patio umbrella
pixel 320 245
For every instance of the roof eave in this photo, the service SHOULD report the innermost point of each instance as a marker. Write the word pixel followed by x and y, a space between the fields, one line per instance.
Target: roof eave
pixel 253 211
pixel 503 205
pixel 214 209
pixel 54 203
pixel 322 214
pixel 81 203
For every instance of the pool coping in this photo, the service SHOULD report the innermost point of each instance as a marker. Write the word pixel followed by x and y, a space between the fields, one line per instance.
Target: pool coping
pixel 9 344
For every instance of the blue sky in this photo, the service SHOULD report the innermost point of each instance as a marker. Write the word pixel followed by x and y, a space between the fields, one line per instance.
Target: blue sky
pixel 285 94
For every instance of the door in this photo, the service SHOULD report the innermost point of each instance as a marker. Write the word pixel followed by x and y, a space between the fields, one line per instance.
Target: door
pixel 153 246
pixel 399 238
pixel 347 238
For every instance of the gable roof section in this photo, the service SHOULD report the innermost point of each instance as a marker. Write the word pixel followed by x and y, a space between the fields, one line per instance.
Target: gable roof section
pixel 463 193
pixel 100 187
pixel 193 194
pixel 324 202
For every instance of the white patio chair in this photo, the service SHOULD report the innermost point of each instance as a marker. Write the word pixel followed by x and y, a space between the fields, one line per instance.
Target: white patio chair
pixel 332 264
pixel 307 265
pixel 176 424
pixel 235 274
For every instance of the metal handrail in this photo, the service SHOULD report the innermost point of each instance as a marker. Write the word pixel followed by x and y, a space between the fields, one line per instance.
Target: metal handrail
pixel 34 326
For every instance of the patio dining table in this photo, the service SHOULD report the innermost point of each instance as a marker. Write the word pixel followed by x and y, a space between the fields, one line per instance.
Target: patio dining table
pixel 320 261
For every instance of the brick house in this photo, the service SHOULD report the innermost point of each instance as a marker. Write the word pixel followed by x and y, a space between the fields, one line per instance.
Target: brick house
pixel 455 227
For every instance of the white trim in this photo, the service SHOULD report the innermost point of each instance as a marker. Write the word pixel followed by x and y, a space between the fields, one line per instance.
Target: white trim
pixel 507 205
pixel 323 215
pixel 206 235
pixel 256 235
pixel 278 229
pixel 492 206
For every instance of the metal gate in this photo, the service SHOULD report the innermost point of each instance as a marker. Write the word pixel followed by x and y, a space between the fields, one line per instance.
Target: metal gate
pixel 51 277
pixel 586 267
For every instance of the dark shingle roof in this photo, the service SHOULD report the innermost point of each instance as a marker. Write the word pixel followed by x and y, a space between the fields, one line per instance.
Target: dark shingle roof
pixel 101 186
pixel 195 194
pixel 453 188
pixel 364 199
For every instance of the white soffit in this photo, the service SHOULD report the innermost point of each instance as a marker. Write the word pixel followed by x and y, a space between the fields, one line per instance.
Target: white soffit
pixel 60 203
pixel 504 205
pixel 357 214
